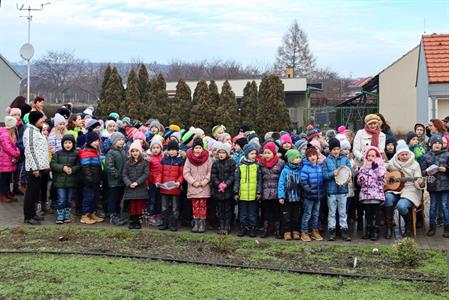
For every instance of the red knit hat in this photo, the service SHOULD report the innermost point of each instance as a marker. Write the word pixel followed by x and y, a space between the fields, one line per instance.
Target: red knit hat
pixel 270 146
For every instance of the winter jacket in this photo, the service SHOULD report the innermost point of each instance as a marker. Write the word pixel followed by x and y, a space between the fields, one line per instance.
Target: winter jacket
pixel 8 152
pixel 36 150
pixel 238 157
pixel 362 140
pixel 90 166
pixel 270 180
pixel 199 173
pixel 137 172
pixel 312 181
pixel 330 165
pixel 289 185
pixel 154 166
pixel 54 142
pixel 223 171
pixel 248 180
pixel 441 159
pixel 410 168
pixel 115 161
pixel 171 170
pixel 419 152
pixel 61 159
pixel 371 183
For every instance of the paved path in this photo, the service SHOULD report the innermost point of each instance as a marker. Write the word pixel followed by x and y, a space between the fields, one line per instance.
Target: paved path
pixel 11 215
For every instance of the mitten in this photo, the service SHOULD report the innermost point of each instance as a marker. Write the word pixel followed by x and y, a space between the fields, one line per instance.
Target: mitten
pixel 374 165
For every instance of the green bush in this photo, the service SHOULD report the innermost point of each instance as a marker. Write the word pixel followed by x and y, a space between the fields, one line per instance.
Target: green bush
pixel 407 252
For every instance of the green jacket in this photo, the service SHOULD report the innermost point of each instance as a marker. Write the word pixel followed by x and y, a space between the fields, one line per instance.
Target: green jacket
pixel 115 161
pixel 248 180
pixel 65 158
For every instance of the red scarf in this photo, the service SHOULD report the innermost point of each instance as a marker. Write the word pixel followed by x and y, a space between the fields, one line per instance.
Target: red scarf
pixel 197 160
pixel 268 163
pixel 374 135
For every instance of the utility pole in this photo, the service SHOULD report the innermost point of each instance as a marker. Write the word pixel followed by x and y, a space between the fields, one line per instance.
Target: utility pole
pixel 27 50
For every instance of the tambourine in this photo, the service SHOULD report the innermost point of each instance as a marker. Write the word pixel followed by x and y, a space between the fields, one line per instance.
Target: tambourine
pixel 343 176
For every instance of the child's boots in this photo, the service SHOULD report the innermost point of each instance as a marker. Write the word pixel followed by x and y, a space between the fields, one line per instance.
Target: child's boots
pixel 277 231
pixel 288 236
pixel 67 213
pixel 296 236
pixel 202 226
pixel 196 224
pixel 60 216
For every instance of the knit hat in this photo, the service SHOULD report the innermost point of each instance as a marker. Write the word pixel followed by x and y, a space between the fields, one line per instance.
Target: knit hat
pixel 135 145
pixel 223 136
pixel 156 140
pixel 157 124
pixel 268 136
pixel 15 111
pixel 89 111
pixel 217 130
pixel 174 127
pixel 341 129
pixel 187 137
pixel 197 131
pixel 92 123
pixel 292 154
pixel 252 135
pixel 139 136
pixel 244 128
pixel 173 145
pixel 115 137
pixel 286 138
pixel 344 144
pixel 91 137
pixel 177 135
pixel 330 134
pixel 375 149
pixel 311 150
pixel 248 148
pixel 68 137
pixel 390 140
pixel 24 110
pixel 402 147
pixel 10 122
pixel 34 116
pixel 198 142
pixel 371 117
pixel 410 135
pixel 270 146
pixel 312 132
pixel 168 132
pixel 435 138
pixel 64 111
pixel 114 116
pixel 334 143
pixel 419 125
pixel 58 119
pixel 219 146
pixel 300 144
pixel 316 144
pixel 242 141
pixel 126 121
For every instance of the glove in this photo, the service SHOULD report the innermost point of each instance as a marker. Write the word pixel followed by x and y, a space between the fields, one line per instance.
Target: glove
pixel 236 197
pixel 374 165
pixel 222 186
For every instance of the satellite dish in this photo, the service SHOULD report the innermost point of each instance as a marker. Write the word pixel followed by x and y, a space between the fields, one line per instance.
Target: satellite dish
pixel 27 51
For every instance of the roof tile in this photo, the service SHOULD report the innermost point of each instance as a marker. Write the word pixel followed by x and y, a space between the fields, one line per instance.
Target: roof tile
pixel 436 49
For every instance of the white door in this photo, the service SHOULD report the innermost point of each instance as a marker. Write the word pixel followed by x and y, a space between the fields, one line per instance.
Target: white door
pixel 442 107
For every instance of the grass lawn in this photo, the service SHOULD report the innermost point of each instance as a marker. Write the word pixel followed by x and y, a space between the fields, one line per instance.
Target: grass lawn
pixel 76 277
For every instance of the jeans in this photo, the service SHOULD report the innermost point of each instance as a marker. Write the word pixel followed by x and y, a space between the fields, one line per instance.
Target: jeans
pixel 115 195
pixel 334 202
pixel 90 198
pixel 248 213
pixel 311 211
pixel 403 205
pixel 64 198
pixel 5 182
pixel 439 199
pixel 155 200
pixel 170 206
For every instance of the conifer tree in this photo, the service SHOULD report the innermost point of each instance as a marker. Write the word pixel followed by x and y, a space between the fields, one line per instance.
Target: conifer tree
pixel 214 98
pixel 202 115
pixel 144 90
pixel 101 105
pixel 181 105
pixel 248 105
pixel 114 94
pixel 159 107
pixel 132 104
pixel 227 111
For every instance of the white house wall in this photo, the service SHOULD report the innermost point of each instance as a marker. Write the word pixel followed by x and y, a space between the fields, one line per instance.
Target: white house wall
pixel 9 87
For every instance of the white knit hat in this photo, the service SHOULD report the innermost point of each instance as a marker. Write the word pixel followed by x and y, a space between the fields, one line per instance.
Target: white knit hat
pixel 58 119
pixel 402 147
pixel 156 140
pixel 219 146
pixel 10 122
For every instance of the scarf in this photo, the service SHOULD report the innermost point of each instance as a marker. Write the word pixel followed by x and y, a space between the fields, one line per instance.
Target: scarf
pixel 268 163
pixel 374 135
pixel 197 160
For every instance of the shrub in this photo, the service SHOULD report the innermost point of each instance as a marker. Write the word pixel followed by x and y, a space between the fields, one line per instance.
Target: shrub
pixel 407 252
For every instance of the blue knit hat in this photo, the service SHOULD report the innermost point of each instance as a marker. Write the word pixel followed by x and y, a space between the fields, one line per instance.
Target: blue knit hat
pixel 248 148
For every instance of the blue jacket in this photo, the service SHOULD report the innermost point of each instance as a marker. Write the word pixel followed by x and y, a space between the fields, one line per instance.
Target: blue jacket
pixel 312 181
pixel 331 164
pixel 289 186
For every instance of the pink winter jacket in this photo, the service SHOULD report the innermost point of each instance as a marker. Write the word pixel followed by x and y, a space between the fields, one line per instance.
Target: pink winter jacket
pixel 200 173
pixel 8 152
pixel 372 181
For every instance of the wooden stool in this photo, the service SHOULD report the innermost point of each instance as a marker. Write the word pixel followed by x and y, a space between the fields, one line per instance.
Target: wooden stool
pixel 415 210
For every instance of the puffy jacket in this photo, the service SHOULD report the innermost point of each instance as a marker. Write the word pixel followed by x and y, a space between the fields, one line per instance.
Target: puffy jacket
pixel 270 180
pixel 441 159
pixel 54 141
pixel 238 157
pixel 289 187
pixel 115 161
pixel 223 171
pixel 36 149
pixel 312 181
pixel 154 167
pixel 90 166
pixel 65 158
pixel 199 173
pixel 137 172
pixel 8 152
pixel 371 183
pixel 248 180
pixel 329 166
pixel 171 170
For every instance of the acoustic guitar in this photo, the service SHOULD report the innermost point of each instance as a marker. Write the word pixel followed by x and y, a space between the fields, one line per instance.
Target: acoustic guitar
pixel 395 180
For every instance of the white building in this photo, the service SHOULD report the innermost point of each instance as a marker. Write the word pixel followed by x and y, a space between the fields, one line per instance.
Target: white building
pixel 9 85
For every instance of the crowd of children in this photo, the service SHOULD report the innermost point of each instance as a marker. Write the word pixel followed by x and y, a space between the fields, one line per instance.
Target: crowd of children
pixel 289 185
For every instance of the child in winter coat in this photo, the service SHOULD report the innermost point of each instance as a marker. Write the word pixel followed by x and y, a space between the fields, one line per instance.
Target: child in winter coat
pixel 313 186
pixel 197 169
pixel 91 173
pixel 239 142
pixel 420 131
pixel 135 174
pixel 222 183
pixel 56 134
pixel 414 146
pixel 289 193
pixel 271 167
pixel 371 180
pixel 439 188
pixel 248 189
pixel 9 156
pixel 336 194
pixel 154 166
pixel 171 171
pixel 115 162
pixel 65 167
pixel 390 147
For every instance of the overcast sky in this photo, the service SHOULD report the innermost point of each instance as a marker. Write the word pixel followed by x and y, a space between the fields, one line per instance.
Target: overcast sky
pixel 354 38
